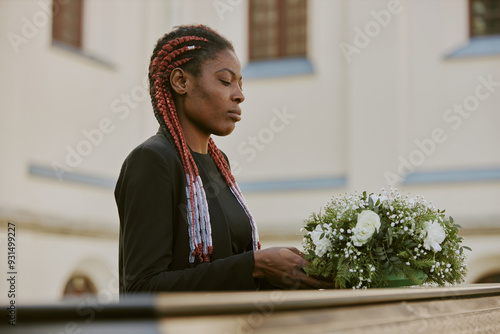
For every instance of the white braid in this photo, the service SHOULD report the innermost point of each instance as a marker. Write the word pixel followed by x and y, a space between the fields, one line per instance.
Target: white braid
pixel 200 229
pixel 235 189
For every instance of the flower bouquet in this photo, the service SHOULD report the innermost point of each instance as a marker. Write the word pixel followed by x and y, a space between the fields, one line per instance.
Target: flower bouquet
pixel 370 241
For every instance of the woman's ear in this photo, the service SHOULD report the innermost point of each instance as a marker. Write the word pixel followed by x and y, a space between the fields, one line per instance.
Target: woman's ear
pixel 178 81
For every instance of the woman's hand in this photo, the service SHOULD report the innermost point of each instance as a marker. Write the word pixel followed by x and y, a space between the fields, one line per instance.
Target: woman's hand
pixel 282 267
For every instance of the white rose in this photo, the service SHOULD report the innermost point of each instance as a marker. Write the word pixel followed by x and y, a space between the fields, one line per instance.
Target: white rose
pixel 368 223
pixel 434 236
pixel 323 245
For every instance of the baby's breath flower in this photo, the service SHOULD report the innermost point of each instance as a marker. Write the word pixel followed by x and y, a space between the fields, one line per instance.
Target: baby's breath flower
pixel 410 226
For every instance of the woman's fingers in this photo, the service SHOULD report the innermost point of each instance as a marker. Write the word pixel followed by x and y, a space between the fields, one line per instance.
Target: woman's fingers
pixel 283 267
pixel 296 251
pixel 303 281
pixel 294 255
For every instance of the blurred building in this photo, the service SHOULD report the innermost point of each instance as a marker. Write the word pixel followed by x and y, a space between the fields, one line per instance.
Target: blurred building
pixel 341 96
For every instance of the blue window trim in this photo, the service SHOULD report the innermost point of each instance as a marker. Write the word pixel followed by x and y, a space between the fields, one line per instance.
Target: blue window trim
pixel 86 179
pixel 257 186
pixel 295 184
pixel 453 176
pixel 277 68
pixel 477 47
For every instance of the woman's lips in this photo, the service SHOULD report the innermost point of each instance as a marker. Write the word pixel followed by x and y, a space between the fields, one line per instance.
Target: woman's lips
pixel 235 114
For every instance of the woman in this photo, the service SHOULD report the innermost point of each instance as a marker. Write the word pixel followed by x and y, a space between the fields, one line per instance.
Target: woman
pixel 184 224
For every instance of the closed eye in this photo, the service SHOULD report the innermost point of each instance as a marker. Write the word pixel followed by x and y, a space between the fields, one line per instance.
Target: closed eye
pixel 225 83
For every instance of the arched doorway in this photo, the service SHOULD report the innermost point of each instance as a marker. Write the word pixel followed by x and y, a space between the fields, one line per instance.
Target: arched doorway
pixel 78 285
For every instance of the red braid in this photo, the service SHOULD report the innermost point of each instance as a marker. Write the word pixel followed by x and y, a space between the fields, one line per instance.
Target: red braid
pixel 221 162
pixel 223 166
pixel 166 60
pixel 167 107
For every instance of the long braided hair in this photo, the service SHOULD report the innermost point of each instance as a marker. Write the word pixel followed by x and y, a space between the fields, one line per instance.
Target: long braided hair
pixel 188 47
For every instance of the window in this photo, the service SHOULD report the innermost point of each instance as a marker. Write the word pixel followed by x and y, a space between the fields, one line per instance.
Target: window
pixel 277 29
pixel 67 18
pixel 484 17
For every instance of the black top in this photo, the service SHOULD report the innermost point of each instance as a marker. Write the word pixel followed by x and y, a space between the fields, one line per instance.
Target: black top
pixel 217 189
pixel 154 243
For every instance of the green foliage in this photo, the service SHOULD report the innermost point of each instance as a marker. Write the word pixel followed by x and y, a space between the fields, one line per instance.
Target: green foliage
pixel 402 244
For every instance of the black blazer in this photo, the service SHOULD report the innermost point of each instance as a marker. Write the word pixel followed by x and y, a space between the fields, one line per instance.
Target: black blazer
pixel 154 244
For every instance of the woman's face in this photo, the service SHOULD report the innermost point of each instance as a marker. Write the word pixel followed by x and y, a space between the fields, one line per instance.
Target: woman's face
pixel 211 100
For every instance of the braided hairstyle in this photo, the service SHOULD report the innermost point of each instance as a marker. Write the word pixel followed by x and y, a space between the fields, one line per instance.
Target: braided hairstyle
pixel 188 47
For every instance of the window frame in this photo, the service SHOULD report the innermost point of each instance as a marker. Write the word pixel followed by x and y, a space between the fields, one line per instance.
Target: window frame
pixel 58 27
pixel 471 22
pixel 281 28
pixel 478 45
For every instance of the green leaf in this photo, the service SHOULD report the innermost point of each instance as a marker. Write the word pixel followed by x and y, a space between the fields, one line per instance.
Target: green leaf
pixel 468 248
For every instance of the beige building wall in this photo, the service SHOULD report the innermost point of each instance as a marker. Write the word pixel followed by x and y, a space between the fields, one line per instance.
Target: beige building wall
pixel 377 103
